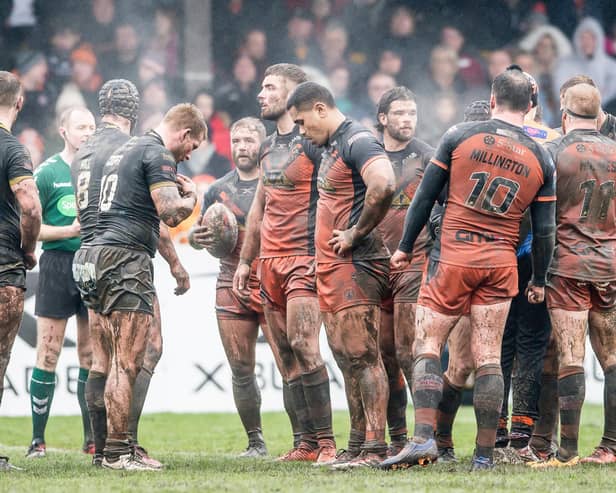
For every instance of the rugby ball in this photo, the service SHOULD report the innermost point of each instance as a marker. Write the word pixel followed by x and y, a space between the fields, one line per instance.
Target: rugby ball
pixel 222 224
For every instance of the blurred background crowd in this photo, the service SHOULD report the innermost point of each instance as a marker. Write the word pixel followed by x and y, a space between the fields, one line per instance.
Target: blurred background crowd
pixel 447 52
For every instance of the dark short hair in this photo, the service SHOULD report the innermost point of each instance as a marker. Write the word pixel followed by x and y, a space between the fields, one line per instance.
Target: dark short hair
pixel 10 89
pixel 289 71
pixel 513 90
pixel 399 93
pixel 574 81
pixel 477 111
pixel 307 94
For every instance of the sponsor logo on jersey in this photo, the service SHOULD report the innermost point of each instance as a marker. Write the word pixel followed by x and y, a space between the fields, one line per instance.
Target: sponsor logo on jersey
pixel 277 179
pixel 66 206
pixel 535 132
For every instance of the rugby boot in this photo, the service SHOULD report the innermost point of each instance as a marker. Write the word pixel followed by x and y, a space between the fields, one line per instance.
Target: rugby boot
pixel 127 462
pixel 88 448
pixel 364 459
pixel 342 456
pixel 256 448
pixel 556 461
pixel 5 465
pixel 531 455
pixel 302 453
pixel 97 460
pixel 601 455
pixel 327 452
pixel 142 454
pixel 36 450
pixel 446 454
pixel 479 463
pixel 413 453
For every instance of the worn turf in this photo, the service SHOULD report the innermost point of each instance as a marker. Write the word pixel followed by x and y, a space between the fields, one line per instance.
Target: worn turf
pixel 199 449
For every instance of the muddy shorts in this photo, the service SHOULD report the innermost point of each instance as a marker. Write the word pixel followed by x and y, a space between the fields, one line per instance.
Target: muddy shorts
pixel 451 289
pixel 285 278
pixel 403 288
pixel 123 279
pixel 344 284
pixel 576 295
pixel 229 306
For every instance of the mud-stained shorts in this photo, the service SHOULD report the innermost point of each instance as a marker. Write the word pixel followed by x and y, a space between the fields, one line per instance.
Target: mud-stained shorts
pixel 84 275
pixel 403 288
pixel 576 295
pixel 345 284
pixel 57 295
pixel 13 274
pixel 451 289
pixel 285 278
pixel 230 307
pixel 124 279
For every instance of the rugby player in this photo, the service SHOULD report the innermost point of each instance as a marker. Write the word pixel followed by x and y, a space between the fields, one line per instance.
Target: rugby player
pixel 356 186
pixel 281 223
pixel 139 188
pixel 57 297
pixel 397 120
pixel 119 106
pixel 20 209
pixel 581 291
pixel 239 318
pixel 495 172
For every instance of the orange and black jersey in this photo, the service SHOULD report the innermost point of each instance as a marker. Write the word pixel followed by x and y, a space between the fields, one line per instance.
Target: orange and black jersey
pixel 351 149
pixel 237 195
pixel 87 171
pixel 127 215
pixel 409 165
pixel 609 126
pixel 585 210
pixel 495 172
pixel 289 167
pixel 15 166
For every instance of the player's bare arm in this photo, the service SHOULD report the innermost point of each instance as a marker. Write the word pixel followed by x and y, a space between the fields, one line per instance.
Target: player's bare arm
pixel 168 252
pixel 380 186
pixel 252 242
pixel 418 213
pixel 55 233
pixel 26 194
pixel 175 204
pixel 543 216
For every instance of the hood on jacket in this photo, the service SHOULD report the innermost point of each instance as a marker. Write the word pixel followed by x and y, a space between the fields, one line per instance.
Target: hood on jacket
pixel 590 24
pixel 563 45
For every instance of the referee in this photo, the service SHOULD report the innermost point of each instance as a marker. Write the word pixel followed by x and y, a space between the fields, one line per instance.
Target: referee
pixel 57 297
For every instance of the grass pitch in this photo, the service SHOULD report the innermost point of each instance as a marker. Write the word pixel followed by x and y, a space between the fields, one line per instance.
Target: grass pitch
pixel 198 451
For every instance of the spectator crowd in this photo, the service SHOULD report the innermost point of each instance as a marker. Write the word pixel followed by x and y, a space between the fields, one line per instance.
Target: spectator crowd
pixel 447 52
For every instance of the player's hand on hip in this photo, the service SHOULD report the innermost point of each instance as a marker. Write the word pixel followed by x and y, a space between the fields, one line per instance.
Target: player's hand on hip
pixel 535 294
pixel 240 281
pixel 342 241
pixel 181 278
pixel 399 260
pixel 30 260
pixel 186 186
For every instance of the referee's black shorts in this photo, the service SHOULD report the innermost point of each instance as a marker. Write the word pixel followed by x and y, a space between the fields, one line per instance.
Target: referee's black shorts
pixel 57 295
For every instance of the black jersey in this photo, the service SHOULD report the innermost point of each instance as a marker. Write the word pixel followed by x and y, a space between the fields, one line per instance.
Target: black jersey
pixel 127 215
pixel 609 126
pixel 86 173
pixel 237 195
pixel 15 166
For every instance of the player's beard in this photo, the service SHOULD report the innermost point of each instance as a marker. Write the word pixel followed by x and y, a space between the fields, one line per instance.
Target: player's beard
pixel 246 165
pixel 401 135
pixel 273 113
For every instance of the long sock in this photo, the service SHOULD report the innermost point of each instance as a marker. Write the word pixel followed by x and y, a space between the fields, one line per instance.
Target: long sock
pixel 247 397
pixel 487 401
pixel 318 400
pixel 356 440
pixel 95 397
pixel 140 391
pixel 521 431
pixel 396 408
pixel 303 414
pixel 447 410
pixel 42 386
pixel 82 378
pixel 289 407
pixel 608 439
pixel 571 391
pixel 427 393
pixel 548 413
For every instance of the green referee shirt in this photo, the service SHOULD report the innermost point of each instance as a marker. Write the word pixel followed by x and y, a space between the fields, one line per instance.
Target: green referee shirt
pixel 53 179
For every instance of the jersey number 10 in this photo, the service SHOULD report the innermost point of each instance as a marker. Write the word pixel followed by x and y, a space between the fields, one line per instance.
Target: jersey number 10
pixel 487 204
